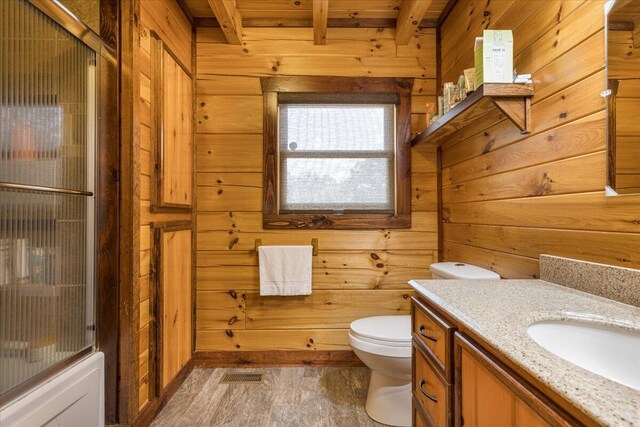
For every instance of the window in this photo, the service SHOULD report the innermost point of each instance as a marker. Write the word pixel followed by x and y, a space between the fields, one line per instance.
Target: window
pixel 337 153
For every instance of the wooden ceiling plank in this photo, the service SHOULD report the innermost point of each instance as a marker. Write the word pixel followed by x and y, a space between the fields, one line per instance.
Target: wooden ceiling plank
pixel 229 18
pixel 411 13
pixel 320 21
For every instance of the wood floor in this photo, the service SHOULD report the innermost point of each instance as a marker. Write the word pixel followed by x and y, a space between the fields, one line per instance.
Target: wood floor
pixel 300 397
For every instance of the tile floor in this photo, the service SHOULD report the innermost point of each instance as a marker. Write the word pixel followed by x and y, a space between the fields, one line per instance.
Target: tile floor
pixel 296 397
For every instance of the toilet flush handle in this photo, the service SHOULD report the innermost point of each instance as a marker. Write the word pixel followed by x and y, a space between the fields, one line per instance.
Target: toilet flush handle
pixel 427 336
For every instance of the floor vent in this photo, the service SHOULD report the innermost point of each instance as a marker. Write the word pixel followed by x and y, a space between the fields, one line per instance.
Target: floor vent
pixel 242 378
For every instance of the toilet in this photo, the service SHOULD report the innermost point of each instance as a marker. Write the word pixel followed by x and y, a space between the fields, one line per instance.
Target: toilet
pixel 383 343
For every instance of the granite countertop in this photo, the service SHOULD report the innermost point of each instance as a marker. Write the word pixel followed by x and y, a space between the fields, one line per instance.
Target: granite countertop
pixel 499 311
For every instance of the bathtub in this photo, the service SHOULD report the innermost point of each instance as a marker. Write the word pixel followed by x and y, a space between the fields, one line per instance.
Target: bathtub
pixel 73 397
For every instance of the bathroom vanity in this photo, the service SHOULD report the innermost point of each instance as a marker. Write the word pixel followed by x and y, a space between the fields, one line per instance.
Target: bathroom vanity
pixel 476 362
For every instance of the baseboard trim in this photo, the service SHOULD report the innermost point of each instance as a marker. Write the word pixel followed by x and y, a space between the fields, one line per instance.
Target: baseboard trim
pixel 230 359
pixel 153 408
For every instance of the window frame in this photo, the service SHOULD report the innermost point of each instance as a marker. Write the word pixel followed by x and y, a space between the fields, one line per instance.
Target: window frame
pixel 271 217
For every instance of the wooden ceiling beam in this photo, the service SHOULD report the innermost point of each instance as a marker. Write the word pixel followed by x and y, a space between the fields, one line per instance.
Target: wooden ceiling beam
pixel 320 21
pixel 621 25
pixel 409 18
pixel 229 18
pixel 302 22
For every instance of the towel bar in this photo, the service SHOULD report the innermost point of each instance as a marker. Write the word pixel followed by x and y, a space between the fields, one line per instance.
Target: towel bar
pixel 314 243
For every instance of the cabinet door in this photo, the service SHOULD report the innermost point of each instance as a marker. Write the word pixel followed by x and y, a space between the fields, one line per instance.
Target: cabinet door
pixel 173 264
pixel 487 395
pixel 172 129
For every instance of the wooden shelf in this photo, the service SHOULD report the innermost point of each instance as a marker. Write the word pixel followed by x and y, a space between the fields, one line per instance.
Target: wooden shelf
pixel 514 100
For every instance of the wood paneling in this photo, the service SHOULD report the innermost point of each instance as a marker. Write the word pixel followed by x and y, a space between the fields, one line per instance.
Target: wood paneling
pixel 322 309
pixel 595 246
pixel 623 57
pixel 167 19
pixel 219 152
pixel 264 339
pixel 578 138
pixel 509 198
pixel 334 239
pixel 247 120
pixel 331 270
pixel 357 273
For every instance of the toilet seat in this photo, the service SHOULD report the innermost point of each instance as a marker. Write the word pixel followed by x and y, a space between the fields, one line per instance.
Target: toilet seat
pixel 383 335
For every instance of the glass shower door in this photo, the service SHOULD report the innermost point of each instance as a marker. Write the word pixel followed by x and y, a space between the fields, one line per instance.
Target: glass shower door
pixel 47 165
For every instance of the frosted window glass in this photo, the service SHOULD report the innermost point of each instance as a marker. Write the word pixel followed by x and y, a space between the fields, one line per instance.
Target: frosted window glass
pixel 337 158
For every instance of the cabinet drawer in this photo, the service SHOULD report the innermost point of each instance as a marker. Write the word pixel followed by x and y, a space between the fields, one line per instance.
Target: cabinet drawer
pixel 431 390
pixel 436 334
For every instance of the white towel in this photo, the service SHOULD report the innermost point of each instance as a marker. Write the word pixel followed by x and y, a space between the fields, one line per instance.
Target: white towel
pixel 285 270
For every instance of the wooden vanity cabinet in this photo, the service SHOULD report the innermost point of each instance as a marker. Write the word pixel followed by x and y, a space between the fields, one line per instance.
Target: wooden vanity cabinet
pixel 488 394
pixel 457 382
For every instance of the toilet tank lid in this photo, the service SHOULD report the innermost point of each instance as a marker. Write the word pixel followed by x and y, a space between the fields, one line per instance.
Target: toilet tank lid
pixel 459 270
pixel 384 328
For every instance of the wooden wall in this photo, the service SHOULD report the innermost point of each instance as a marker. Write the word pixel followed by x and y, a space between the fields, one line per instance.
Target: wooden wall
pixel 509 198
pixel 357 273
pixel 165 18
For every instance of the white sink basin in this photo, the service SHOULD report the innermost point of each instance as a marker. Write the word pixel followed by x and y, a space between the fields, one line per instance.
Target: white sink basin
pixel 611 352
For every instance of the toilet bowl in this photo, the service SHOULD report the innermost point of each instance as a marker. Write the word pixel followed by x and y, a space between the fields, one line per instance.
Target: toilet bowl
pixel 383 343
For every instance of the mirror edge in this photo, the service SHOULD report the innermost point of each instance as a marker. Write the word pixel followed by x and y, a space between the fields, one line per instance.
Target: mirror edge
pixel 610 167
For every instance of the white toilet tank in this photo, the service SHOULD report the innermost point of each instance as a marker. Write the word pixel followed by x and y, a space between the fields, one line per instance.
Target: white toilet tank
pixel 461 271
